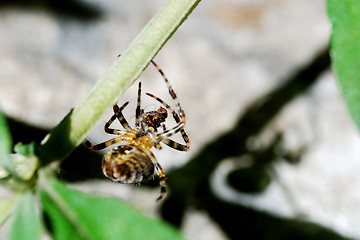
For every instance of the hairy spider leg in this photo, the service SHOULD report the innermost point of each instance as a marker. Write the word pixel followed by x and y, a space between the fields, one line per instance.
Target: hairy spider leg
pixel 163 126
pixel 118 114
pixel 171 91
pixel 125 135
pixel 137 111
pixel 160 172
pixel 172 143
pixel 169 132
pixel 106 143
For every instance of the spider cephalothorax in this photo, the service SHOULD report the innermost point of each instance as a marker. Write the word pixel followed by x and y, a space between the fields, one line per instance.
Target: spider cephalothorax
pixel 155 118
pixel 135 162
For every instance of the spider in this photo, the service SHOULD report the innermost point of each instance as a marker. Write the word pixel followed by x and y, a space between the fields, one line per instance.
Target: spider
pixel 134 162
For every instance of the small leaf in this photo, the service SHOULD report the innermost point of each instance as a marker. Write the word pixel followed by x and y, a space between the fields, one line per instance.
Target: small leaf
pixel 26 224
pixel 84 216
pixel 25 167
pixel 25 149
pixel 345 50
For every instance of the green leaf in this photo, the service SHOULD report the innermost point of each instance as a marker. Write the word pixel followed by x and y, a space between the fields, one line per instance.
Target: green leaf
pixel 26 224
pixel 5 146
pixel 345 50
pixel 75 215
pixel 7 206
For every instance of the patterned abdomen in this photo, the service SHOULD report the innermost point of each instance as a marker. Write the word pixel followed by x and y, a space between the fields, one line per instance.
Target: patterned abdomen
pixel 127 164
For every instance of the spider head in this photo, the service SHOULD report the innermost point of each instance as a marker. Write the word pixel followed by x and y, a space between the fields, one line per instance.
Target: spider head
pixel 155 118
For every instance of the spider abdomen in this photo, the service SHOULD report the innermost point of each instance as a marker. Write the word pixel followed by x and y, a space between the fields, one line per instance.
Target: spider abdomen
pixel 127 164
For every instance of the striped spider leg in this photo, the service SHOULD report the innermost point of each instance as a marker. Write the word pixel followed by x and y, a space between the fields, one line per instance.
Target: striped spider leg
pixel 135 162
pixel 179 117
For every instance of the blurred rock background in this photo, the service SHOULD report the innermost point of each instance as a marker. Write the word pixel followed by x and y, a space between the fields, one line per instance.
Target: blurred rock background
pixel 254 80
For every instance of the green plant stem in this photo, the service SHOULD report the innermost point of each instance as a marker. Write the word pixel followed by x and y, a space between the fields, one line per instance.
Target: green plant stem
pixel 127 68
pixel 46 185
